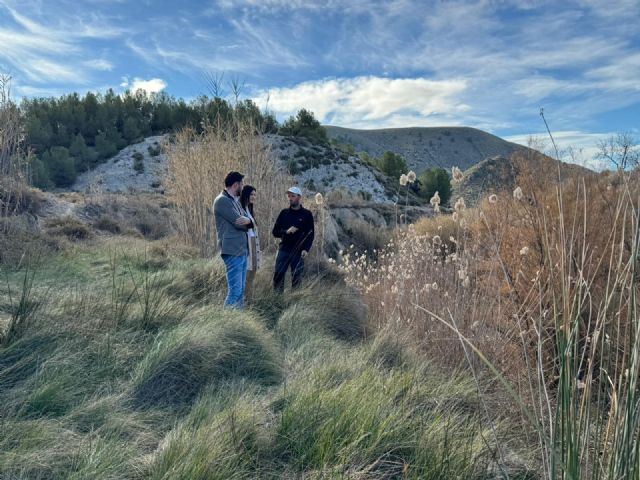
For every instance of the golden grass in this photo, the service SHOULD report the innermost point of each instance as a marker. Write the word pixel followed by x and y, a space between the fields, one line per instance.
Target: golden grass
pixel 198 164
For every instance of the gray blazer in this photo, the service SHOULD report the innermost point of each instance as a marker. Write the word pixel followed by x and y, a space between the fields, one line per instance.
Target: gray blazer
pixel 232 238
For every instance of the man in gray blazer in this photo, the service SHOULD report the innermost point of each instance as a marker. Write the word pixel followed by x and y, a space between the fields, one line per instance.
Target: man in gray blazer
pixel 231 227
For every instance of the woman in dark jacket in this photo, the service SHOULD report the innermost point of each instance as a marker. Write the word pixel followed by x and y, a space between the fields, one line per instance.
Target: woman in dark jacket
pixel 247 200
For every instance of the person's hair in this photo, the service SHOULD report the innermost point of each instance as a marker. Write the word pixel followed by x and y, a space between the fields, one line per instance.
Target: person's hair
pixel 245 196
pixel 231 178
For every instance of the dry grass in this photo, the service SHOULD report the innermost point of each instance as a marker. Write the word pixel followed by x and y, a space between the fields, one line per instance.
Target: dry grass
pixel 197 167
pixel 541 290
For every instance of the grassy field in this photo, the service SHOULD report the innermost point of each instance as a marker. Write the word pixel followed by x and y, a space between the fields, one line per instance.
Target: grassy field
pixel 117 361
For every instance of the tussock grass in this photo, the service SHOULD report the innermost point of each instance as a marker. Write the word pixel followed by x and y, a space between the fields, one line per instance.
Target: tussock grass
pixel 91 390
pixel 338 312
pixel 230 445
pixel 382 425
pixel 183 361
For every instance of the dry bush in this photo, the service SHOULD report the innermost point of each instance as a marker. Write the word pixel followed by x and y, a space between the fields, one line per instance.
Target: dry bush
pixel 343 198
pixel 541 286
pixel 21 241
pixel 146 215
pixel 69 227
pixel 198 164
pixel 13 161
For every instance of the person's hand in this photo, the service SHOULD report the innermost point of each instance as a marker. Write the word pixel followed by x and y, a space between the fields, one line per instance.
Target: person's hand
pixel 243 221
pixel 304 254
pixel 292 230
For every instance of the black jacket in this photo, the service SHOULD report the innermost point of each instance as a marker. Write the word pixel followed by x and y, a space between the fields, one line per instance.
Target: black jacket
pixel 303 238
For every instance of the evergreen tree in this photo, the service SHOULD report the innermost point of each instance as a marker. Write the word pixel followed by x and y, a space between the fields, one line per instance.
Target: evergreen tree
pixel 105 148
pixel 435 180
pixel 60 166
pixel 392 164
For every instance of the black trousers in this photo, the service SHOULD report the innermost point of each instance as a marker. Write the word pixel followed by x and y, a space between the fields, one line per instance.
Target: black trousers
pixel 284 261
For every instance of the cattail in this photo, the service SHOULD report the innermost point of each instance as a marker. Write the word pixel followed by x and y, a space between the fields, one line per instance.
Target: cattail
pixel 457 175
pixel 319 199
pixel 493 199
pixel 517 193
pixel 524 250
pixel 403 180
pixel 411 176
pixel 459 205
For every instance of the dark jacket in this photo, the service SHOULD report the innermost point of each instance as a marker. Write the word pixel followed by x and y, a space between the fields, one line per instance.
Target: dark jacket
pixel 303 238
pixel 232 238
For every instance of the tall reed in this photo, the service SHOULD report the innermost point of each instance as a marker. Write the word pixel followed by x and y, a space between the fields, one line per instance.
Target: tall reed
pixel 543 286
pixel 198 164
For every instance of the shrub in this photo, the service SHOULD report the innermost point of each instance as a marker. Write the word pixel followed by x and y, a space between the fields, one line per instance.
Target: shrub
pixel 107 224
pixel 154 151
pixel 69 227
pixel 17 198
pixel 151 224
pixel 392 164
pixel 305 125
pixel 138 163
pixel 21 240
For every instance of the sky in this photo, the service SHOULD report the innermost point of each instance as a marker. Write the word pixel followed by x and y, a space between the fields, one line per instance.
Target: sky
pixel 362 64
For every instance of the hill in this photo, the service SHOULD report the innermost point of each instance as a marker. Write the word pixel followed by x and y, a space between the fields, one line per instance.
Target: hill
pixel 142 167
pixel 499 174
pixel 428 147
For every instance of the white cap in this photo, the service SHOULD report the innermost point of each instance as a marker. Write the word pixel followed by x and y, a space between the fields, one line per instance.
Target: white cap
pixel 295 191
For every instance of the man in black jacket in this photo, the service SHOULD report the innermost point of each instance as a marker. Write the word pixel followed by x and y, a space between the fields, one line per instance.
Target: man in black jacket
pixel 295 227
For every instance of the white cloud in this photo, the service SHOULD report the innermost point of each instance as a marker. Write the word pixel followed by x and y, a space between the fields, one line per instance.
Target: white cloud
pixel 100 64
pixel 152 85
pixel 573 146
pixel 371 101
pixel 51 51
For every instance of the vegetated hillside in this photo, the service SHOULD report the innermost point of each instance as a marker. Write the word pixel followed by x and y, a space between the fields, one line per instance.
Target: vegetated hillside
pixel 142 167
pixel 499 173
pixel 425 147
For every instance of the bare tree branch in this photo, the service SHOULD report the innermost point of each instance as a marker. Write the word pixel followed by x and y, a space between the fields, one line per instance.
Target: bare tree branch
pixel 621 150
pixel 214 83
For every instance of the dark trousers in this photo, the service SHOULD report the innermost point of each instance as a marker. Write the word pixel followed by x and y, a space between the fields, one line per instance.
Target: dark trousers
pixel 284 261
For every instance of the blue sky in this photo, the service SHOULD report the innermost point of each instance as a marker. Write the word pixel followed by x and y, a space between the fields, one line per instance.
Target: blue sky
pixel 362 64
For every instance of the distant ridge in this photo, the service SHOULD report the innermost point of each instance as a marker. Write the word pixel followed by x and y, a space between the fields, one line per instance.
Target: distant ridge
pixel 500 174
pixel 425 147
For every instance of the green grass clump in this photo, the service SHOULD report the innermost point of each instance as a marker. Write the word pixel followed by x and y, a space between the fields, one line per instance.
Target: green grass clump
pixel 338 312
pixel 132 369
pixel 394 424
pixel 211 349
pixel 232 445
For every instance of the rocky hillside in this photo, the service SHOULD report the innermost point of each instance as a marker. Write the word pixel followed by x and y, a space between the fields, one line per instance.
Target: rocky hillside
pixel 428 147
pixel 143 167
pixel 137 168
pixel 500 173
